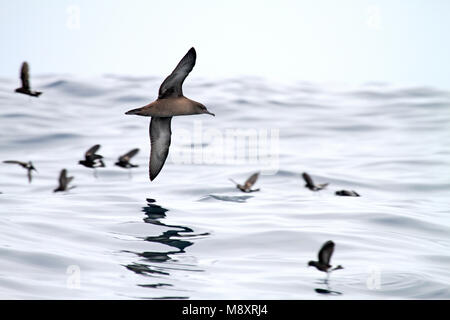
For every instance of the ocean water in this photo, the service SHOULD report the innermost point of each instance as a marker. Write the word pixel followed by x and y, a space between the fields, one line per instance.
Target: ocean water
pixel 200 237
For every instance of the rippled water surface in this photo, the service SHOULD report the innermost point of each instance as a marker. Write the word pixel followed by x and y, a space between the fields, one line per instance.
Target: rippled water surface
pixel 203 239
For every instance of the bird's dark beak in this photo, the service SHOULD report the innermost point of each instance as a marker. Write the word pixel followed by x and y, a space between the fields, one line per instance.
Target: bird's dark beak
pixel 131 111
pixel 207 112
pixel 135 111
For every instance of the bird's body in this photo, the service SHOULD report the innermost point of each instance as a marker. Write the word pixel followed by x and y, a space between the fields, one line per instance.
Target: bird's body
pixel 171 102
pixel 324 256
pixel 246 187
pixel 310 183
pixel 92 159
pixel 347 193
pixel 63 181
pixel 168 107
pixel 25 79
pixel 26 165
pixel 124 160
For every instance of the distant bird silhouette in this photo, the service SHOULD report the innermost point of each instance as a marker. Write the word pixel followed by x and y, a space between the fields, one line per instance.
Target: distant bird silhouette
pixel 171 102
pixel 347 193
pixel 25 78
pixel 325 254
pixel 248 184
pixel 310 184
pixel 64 181
pixel 27 165
pixel 124 160
pixel 92 159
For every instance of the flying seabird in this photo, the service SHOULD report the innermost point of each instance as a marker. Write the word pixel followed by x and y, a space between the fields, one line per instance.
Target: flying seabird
pixel 324 258
pixel 124 161
pixel 171 102
pixel 310 184
pixel 27 165
pixel 64 181
pixel 248 184
pixel 348 193
pixel 90 158
pixel 25 78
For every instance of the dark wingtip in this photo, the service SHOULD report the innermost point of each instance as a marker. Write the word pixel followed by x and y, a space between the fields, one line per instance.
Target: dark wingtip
pixel 192 52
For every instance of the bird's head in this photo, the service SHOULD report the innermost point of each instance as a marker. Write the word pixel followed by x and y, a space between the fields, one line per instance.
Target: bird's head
pixel 31 166
pixel 312 263
pixel 200 108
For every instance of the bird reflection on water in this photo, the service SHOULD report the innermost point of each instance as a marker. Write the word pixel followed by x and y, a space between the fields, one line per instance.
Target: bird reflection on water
pixel 176 238
pixel 326 290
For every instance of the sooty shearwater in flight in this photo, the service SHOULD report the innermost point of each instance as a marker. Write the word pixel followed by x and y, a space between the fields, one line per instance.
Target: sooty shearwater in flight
pixel 310 183
pixel 92 159
pixel 248 184
pixel 325 254
pixel 171 102
pixel 25 78
pixel 347 193
pixel 27 165
pixel 64 181
pixel 124 160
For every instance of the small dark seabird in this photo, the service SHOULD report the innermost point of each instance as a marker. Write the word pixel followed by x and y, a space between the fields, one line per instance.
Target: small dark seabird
pixel 25 78
pixel 347 193
pixel 91 159
pixel 324 258
pixel 248 184
pixel 171 102
pixel 64 181
pixel 124 161
pixel 310 184
pixel 27 165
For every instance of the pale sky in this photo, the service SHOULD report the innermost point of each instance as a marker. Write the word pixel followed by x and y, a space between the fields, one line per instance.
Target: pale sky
pixel 403 42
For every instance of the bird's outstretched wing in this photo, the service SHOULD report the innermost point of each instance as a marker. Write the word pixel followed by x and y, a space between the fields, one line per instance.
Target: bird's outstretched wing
pixel 92 150
pixel 172 85
pixel 15 162
pixel 308 180
pixel 322 186
pixel 68 180
pixel 160 134
pixel 325 252
pixel 63 179
pixel 251 181
pixel 127 156
pixel 24 76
